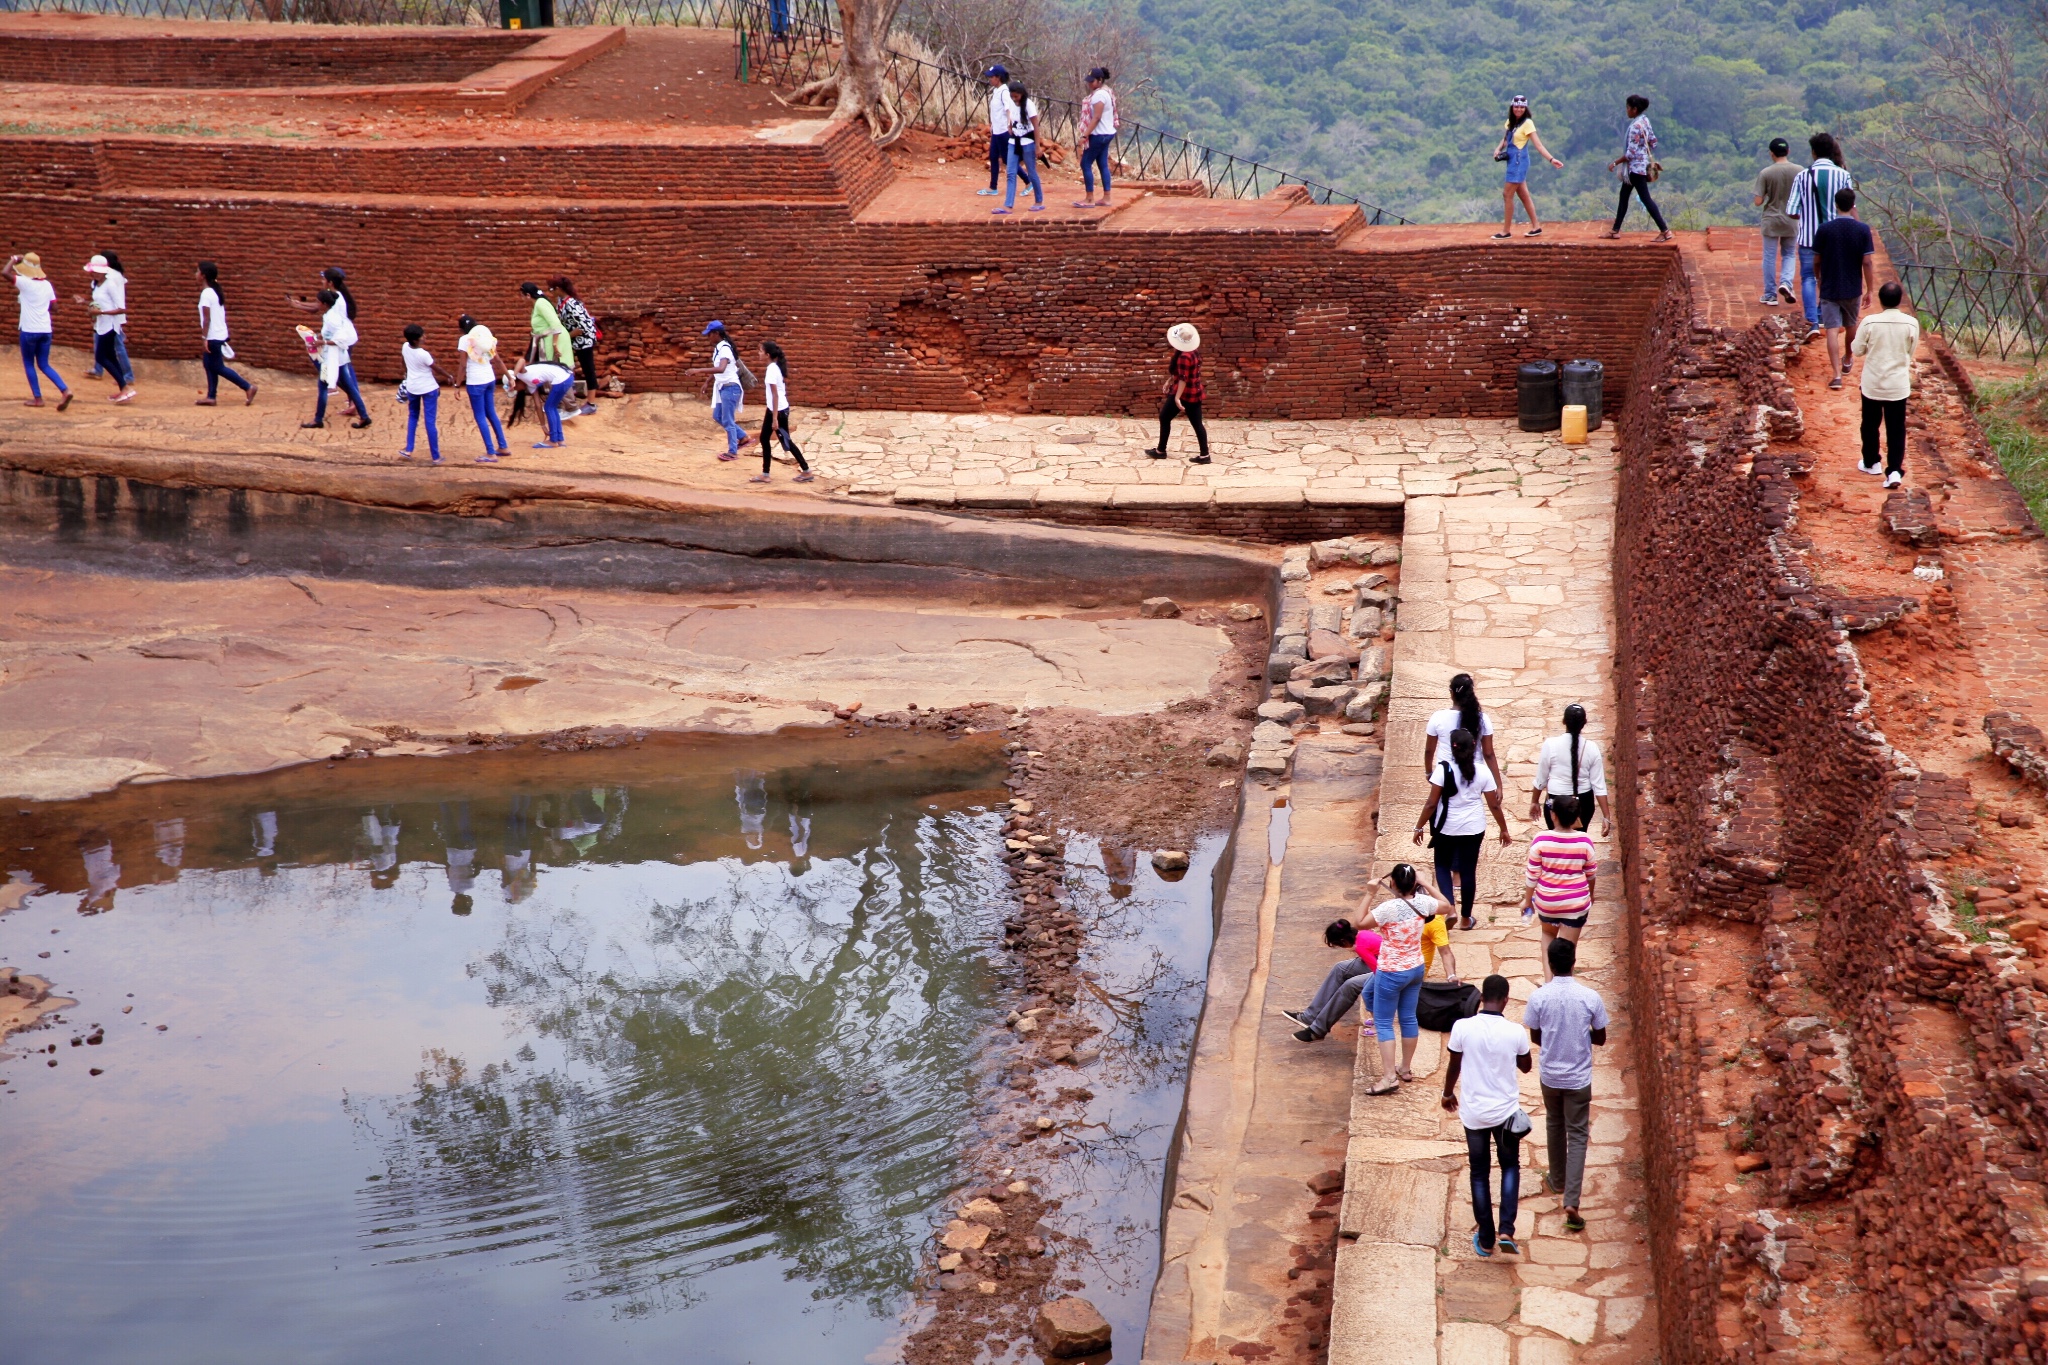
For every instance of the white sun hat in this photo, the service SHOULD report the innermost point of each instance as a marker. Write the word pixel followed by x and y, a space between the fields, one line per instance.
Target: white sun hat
pixel 1182 336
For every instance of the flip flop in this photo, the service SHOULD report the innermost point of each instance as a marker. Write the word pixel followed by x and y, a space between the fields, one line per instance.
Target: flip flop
pixel 1386 1085
pixel 758 478
pixel 249 397
pixel 1479 1250
pixel 1405 1074
pixel 805 477
pixel 1507 1246
pixel 65 402
pixel 728 456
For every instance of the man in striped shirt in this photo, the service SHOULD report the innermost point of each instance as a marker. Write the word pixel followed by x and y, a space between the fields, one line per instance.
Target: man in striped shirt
pixel 1813 204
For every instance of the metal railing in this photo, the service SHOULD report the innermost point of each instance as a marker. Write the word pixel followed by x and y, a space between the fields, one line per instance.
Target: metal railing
pixel 1987 312
pixel 790 42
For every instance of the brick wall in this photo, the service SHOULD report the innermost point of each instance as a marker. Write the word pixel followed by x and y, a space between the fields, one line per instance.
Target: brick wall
pixel 1907 1071
pixel 1053 317
pixel 274 57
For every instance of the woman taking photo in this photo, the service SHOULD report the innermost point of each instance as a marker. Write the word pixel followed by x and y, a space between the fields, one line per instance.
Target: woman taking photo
pixel 1569 767
pixel 1561 877
pixel 1397 984
pixel 1461 791
pixel 1515 141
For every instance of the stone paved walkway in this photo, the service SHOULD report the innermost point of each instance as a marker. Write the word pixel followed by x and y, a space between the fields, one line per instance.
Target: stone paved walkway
pixel 1516 590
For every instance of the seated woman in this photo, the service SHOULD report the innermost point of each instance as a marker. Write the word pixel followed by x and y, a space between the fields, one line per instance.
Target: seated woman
pixel 1562 876
pixel 1344 982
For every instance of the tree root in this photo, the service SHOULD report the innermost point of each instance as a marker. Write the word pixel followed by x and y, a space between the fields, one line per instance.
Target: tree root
pixel 883 113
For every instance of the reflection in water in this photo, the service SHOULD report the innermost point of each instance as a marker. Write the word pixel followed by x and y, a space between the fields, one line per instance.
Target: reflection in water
pixel 665 1065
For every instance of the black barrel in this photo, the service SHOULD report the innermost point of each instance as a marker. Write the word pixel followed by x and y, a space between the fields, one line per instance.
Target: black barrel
pixel 1536 388
pixel 1583 382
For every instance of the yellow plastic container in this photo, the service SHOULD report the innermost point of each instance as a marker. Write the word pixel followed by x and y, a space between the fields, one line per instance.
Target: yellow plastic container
pixel 1574 433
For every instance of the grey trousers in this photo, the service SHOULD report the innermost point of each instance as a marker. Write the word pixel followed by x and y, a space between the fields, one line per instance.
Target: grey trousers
pixel 1568 1114
pixel 1338 993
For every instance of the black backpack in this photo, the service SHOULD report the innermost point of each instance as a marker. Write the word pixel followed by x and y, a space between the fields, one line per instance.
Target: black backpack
pixel 1444 1003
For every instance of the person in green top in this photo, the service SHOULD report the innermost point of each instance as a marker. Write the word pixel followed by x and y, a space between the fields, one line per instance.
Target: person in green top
pixel 550 337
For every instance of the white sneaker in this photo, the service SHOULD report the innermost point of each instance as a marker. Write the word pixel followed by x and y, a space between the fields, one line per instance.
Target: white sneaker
pixel 1869 468
pixel 1894 479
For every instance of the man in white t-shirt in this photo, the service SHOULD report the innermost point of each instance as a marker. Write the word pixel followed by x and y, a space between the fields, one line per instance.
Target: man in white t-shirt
pixel 1002 114
pixel 37 294
pixel 1486 1052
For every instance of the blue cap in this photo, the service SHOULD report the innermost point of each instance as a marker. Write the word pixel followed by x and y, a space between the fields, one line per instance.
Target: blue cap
pixel 712 326
pixel 997 70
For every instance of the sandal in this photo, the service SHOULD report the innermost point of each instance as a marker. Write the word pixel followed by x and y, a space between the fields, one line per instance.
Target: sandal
pixel 1386 1085
pixel 1665 235
pixel 805 477
pixel 65 401
pixel 1468 923
pixel 1405 1074
pixel 248 397
pixel 1572 1221
pixel 205 402
pixel 729 455
pixel 1610 236
pixel 758 478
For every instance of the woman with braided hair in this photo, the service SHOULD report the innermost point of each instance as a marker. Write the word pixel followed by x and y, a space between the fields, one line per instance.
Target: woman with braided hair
pixel 1569 768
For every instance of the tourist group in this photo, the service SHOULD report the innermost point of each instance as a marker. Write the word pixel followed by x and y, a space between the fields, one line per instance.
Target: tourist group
pixel 562 341
pixel 1391 951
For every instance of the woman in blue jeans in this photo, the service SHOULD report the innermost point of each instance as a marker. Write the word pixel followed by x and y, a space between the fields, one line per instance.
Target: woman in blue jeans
pixel 1397 985
pixel 552 382
pixel 480 371
pixel 1097 126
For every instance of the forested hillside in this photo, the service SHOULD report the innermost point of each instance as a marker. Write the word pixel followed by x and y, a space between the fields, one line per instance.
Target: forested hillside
pixel 1401 101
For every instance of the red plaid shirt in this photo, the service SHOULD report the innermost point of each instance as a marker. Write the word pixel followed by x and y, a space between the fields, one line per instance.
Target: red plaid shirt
pixel 1187 369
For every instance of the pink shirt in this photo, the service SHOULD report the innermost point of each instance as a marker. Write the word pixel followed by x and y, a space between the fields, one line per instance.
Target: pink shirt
pixel 1367 946
pixel 1560 864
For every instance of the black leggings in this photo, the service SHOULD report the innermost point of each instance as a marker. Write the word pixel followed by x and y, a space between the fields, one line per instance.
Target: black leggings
pixel 773 425
pixel 1194 416
pixel 1891 414
pixel 586 360
pixel 1641 185
pixel 1459 853
pixel 1588 804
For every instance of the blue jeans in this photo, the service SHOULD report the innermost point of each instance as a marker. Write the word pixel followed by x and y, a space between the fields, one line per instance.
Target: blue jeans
pixel 1809 286
pixel 110 357
pixel 483 405
pixel 1026 152
pixel 1781 265
pixel 723 412
pixel 1394 994
pixel 346 382
pixel 551 407
pixel 428 403
pixel 1096 154
pixel 1480 1145
pixel 217 370
pixel 35 355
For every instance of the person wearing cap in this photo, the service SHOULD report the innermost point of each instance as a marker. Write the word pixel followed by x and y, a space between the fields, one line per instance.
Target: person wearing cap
pixel 1097 126
pixel 109 308
pixel 1780 226
pixel 37 294
pixel 1515 140
pixel 1002 113
pixel 1183 391
pixel 726 390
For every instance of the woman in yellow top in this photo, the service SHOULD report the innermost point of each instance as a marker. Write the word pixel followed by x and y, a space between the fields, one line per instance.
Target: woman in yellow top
pixel 1515 140
pixel 550 337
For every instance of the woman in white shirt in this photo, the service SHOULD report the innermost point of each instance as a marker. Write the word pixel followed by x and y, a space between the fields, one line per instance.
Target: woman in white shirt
pixel 213 331
pixel 422 390
pixel 1463 713
pixel 37 294
pixel 337 335
pixel 1397 984
pixel 1461 791
pixel 109 308
pixel 1023 151
pixel 480 371
pixel 1570 766
pixel 775 388
pixel 1098 129
pixel 553 383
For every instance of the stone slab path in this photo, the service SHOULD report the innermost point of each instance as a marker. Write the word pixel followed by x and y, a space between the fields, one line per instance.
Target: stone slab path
pixel 1517 590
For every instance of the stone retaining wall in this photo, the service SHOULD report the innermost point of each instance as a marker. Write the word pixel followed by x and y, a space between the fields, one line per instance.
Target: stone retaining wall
pixel 1923 1100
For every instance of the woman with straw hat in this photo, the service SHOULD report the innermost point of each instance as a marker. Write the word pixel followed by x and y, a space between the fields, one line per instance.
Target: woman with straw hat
pixel 1183 390
pixel 109 308
pixel 37 294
